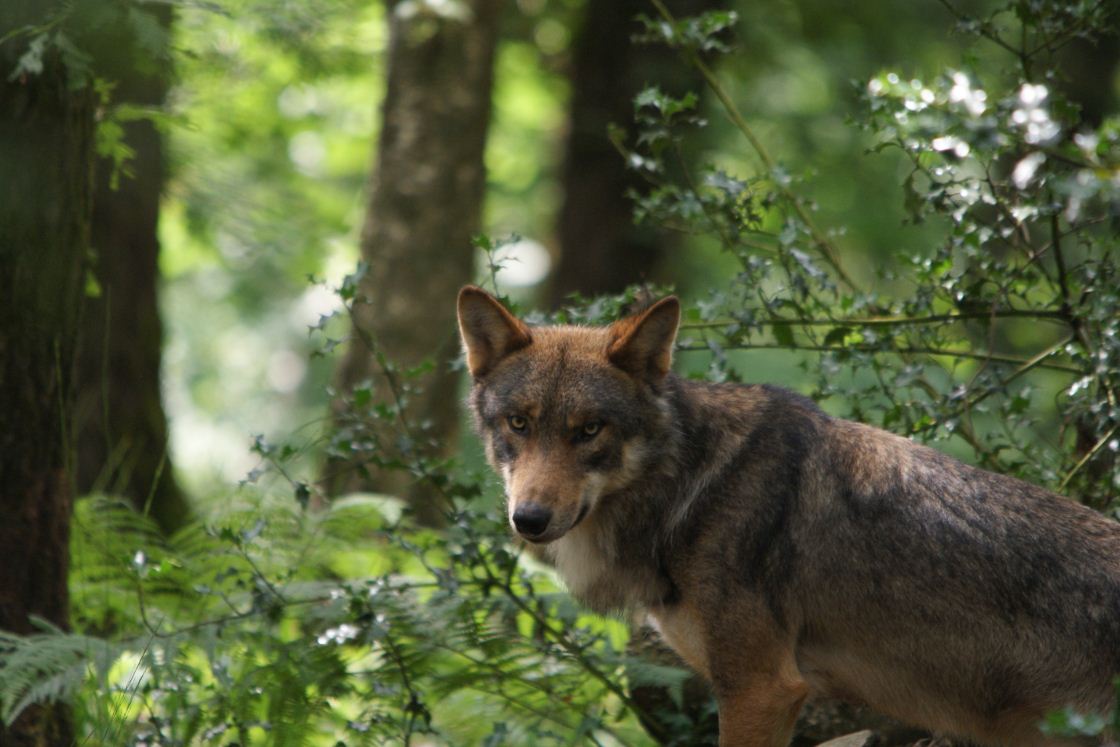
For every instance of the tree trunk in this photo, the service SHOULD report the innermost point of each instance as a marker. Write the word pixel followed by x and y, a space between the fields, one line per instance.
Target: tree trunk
pixel 601 250
pixel 425 204
pixel 120 425
pixel 1088 68
pixel 46 142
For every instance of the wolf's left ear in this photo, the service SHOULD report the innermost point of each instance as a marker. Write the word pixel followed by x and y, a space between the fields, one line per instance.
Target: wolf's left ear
pixel 643 345
pixel 489 331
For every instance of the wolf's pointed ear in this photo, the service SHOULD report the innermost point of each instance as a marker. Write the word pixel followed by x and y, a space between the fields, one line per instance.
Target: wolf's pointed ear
pixel 489 332
pixel 642 345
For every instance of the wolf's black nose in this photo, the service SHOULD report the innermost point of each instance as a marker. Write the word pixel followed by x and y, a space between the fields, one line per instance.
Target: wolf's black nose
pixel 531 519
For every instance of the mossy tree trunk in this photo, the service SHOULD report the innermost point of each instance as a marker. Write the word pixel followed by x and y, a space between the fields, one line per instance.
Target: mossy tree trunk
pixel 120 424
pixel 46 145
pixel 425 204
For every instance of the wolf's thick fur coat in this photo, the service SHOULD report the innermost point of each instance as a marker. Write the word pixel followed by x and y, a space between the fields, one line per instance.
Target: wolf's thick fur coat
pixel 783 552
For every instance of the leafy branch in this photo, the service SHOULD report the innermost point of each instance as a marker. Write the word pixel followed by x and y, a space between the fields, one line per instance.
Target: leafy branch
pixel 820 241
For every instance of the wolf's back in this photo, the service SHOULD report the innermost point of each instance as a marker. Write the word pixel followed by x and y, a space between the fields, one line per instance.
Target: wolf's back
pixel 988 595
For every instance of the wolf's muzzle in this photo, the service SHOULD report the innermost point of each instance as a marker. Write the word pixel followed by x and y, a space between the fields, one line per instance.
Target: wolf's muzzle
pixel 531 519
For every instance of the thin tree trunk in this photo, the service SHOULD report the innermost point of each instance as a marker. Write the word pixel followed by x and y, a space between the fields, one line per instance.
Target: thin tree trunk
pixel 1088 77
pixel 601 249
pixel 425 204
pixel 120 423
pixel 46 142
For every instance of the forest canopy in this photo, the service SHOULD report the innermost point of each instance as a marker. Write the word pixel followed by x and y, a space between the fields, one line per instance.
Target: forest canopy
pixel 247 505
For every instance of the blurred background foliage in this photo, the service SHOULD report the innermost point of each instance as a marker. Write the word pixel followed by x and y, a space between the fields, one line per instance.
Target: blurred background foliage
pixel 275 105
pixel 912 222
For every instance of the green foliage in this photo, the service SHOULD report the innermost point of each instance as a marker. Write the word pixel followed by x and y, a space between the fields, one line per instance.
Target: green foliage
pixel 274 625
pixel 695 34
pixel 1069 723
pixel 94 41
pixel 276 111
pixel 271 623
pixel 48 666
pixel 1001 337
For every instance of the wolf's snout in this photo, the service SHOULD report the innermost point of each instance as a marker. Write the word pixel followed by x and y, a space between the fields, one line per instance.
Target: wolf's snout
pixel 531 519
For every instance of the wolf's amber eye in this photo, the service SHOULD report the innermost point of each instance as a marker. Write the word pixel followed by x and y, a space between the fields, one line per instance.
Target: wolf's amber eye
pixel 590 430
pixel 518 423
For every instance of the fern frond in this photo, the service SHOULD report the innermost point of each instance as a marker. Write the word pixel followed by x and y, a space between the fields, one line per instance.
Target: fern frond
pixel 47 667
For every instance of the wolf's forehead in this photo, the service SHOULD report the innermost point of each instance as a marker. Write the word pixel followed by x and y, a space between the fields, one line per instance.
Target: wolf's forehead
pixel 562 372
pixel 571 342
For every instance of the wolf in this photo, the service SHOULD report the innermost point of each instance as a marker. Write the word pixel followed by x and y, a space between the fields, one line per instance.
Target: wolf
pixel 784 553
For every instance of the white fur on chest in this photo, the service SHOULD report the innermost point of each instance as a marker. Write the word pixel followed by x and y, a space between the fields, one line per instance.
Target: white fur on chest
pixel 599 578
pixel 594 576
pixel 583 562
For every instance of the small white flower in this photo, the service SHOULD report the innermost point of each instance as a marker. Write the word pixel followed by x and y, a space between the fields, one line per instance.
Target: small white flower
pixel 341 634
pixel 1032 95
pixel 1025 170
pixel 962 93
pixel 1087 142
pixel 1032 117
pixel 958 147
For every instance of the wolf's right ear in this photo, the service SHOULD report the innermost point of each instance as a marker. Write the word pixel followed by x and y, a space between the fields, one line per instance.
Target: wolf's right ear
pixel 489 331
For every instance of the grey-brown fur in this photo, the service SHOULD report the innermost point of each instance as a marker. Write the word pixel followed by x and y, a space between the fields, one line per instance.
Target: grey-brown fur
pixel 785 553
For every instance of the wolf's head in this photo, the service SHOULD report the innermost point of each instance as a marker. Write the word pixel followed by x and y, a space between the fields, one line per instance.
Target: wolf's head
pixel 568 414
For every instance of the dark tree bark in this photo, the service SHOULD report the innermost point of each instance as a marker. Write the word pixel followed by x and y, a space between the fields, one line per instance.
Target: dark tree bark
pixel 46 141
pixel 120 424
pixel 424 206
pixel 601 250
pixel 1088 70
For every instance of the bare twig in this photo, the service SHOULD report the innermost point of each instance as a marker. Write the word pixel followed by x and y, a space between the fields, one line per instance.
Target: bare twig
pixel 889 321
pixel 915 350
pixel 1100 444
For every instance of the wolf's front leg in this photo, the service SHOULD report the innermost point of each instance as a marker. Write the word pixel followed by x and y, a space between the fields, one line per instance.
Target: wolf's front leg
pixel 761 712
pixel 749 660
